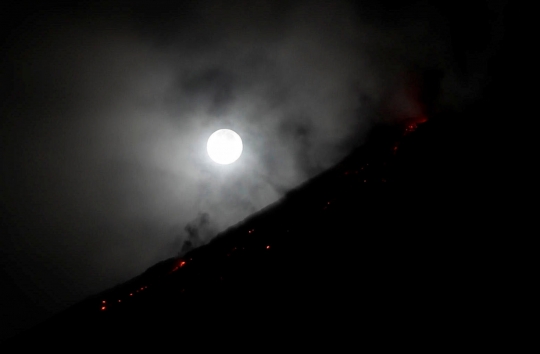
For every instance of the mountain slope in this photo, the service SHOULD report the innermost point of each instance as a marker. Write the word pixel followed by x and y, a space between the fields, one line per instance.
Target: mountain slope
pixel 370 247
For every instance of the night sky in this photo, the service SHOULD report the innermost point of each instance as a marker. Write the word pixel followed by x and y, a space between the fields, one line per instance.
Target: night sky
pixel 106 109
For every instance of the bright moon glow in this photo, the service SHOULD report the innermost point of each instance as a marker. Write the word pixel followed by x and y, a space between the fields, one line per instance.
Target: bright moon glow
pixel 224 146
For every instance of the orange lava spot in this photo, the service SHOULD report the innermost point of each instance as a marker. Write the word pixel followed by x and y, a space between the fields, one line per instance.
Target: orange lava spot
pixel 103 308
pixel 182 263
pixel 267 247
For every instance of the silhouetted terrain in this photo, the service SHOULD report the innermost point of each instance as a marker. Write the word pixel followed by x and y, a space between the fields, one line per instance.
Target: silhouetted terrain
pixel 384 243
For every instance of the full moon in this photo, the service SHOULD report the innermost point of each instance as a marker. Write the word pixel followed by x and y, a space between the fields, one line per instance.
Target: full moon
pixel 224 146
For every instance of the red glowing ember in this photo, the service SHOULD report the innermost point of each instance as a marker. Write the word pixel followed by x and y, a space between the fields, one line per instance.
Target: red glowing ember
pixel 421 120
pixel 413 124
pixel 267 247
pixel 103 308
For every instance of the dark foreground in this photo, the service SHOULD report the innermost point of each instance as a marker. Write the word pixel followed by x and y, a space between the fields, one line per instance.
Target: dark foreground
pixel 384 248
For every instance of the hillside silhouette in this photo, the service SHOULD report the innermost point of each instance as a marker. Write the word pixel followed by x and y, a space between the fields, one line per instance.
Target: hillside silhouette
pixel 375 246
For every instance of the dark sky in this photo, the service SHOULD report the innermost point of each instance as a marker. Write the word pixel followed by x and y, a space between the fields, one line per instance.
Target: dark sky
pixel 106 109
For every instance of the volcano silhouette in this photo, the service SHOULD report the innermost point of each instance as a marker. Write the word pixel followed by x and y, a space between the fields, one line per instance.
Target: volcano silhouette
pixel 373 246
